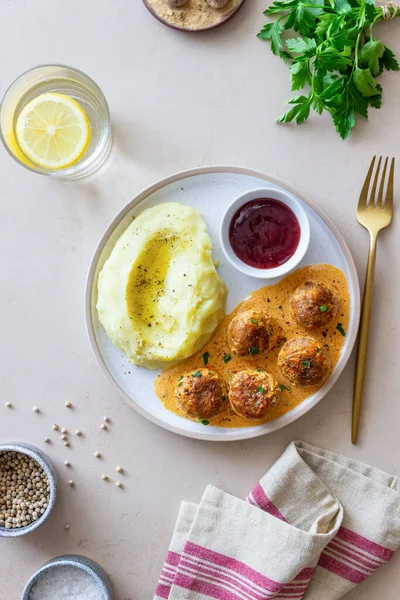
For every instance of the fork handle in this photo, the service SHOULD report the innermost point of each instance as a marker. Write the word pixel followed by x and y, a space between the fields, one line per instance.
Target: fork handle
pixel 363 338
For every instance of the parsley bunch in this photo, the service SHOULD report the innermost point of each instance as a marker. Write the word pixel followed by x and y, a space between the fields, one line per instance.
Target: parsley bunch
pixel 337 57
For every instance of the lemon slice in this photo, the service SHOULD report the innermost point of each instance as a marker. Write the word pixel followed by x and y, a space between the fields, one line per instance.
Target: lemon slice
pixel 53 131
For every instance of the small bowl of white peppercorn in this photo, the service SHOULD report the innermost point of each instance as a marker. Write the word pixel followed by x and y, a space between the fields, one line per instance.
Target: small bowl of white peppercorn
pixel 28 489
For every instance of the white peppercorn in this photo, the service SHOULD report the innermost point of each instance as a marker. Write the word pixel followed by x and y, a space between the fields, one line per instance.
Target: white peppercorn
pixel 24 490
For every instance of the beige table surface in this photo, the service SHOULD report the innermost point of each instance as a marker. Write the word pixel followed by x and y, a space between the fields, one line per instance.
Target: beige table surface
pixel 177 101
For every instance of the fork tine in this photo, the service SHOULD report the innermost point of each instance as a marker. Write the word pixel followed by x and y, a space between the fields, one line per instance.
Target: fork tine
pixel 379 200
pixel 390 189
pixel 364 192
pixel 375 183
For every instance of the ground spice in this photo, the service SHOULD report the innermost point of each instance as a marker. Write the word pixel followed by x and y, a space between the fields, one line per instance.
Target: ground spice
pixel 195 14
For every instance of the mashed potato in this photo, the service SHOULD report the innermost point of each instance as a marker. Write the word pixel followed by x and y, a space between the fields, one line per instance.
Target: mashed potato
pixel 160 297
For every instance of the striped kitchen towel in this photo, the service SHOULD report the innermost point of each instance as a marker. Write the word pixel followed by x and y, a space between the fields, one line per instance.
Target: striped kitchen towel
pixel 316 525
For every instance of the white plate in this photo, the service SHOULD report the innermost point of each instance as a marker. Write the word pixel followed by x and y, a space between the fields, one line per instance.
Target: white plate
pixel 211 190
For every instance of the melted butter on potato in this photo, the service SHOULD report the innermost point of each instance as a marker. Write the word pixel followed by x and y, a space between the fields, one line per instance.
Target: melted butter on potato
pixel 160 297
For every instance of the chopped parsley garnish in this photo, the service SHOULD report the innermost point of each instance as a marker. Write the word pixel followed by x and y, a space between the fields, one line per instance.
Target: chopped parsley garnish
pixel 203 421
pixel 180 378
pixel 323 308
pixel 227 358
pixel 306 363
pixel 261 390
pixel 280 307
pixel 284 387
pixel 339 327
pixel 317 349
pixel 196 374
pixel 259 369
pixel 253 350
pixel 180 381
pixel 206 356
pixel 254 321
pixel 282 341
pixel 223 398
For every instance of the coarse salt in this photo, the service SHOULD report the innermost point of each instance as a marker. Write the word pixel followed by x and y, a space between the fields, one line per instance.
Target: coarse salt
pixel 66 583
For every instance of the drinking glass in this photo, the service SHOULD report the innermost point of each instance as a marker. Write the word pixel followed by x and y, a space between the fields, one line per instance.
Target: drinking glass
pixel 69 82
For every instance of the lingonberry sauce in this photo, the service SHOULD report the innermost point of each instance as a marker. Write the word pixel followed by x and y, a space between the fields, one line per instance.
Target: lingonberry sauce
pixel 264 233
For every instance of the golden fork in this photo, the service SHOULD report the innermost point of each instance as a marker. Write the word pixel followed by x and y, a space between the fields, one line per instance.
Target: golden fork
pixel 374 212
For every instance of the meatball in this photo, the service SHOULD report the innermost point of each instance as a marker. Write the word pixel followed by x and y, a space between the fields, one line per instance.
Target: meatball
pixel 201 393
pixel 252 393
pixel 217 3
pixel 251 333
pixel 175 3
pixel 304 361
pixel 313 305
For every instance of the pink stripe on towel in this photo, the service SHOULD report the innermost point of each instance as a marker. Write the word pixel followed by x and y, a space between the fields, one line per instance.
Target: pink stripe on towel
pixel 262 501
pixel 341 569
pixel 236 566
pixel 365 544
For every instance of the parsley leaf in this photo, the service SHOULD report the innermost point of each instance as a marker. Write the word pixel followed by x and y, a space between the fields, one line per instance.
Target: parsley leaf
pixel 306 363
pixel 203 422
pixel 323 308
pixel 196 374
pixel 365 82
pixel 206 356
pixel 227 358
pixel 389 61
pixel 273 32
pixel 284 387
pixel 339 327
pixel 261 389
pixel 254 350
pixel 254 321
pixel 371 55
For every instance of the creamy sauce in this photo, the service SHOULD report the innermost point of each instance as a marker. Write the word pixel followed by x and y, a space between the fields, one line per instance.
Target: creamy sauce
pixel 275 302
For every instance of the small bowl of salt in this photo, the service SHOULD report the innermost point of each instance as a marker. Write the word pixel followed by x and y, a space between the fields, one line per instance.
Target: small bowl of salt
pixel 69 577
